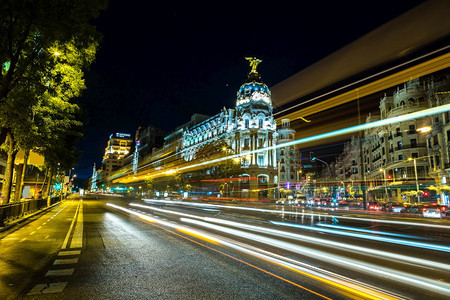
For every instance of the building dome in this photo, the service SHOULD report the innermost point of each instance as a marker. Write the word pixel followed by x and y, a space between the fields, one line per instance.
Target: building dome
pixel 253 90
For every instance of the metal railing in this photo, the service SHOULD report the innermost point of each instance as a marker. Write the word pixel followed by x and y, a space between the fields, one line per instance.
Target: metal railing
pixel 16 210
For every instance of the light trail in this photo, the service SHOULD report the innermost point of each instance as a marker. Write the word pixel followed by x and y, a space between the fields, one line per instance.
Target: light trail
pixel 362 80
pixel 185 166
pixel 274 211
pixel 368 231
pixel 305 238
pixel 338 281
pixel 368 237
pixel 353 129
pixel 355 265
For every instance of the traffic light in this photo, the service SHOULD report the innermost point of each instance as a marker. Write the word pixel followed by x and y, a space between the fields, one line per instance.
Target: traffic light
pixel 389 176
pixel 425 194
pixel 311 156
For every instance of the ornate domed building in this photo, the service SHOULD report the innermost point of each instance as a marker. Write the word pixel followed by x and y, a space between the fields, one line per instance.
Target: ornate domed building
pixel 249 131
pixel 255 130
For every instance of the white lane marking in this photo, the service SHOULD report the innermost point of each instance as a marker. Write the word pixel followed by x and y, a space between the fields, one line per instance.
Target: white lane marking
pixel 33 233
pixel 47 237
pixel 70 252
pixel 67 261
pixel 22 240
pixel 77 239
pixel 45 288
pixel 62 272
pixel 44 223
pixel 66 240
pixel 39 228
pixel 10 239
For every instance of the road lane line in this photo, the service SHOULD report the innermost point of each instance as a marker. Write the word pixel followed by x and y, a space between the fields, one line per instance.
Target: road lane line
pixel 66 240
pixel 77 239
pixel 66 261
pixel 39 228
pixel 32 232
pixel 70 252
pixel 62 272
pixel 45 288
pixel 22 240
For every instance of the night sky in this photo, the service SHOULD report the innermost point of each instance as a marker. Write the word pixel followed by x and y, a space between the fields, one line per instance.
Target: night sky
pixel 162 61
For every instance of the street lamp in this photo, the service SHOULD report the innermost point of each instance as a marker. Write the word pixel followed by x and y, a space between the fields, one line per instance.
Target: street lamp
pixel 385 184
pixel 417 180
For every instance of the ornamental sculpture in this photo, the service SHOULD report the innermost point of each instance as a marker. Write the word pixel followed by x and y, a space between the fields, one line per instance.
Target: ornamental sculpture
pixel 254 62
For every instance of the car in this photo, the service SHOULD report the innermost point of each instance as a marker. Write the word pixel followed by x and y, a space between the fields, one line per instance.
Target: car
pixel 431 212
pixel 397 207
pixel 280 201
pixel 373 206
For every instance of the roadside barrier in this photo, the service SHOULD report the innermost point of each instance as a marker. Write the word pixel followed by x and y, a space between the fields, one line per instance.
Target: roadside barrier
pixel 16 210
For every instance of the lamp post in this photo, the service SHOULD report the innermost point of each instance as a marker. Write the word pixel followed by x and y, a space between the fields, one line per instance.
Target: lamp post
pixel 417 180
pixel 385 184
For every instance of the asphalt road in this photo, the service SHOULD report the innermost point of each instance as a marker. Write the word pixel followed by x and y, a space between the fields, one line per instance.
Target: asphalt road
pixel 120 248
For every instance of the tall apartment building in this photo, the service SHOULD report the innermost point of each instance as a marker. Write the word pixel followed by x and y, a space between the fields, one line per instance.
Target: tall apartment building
pixel 118 147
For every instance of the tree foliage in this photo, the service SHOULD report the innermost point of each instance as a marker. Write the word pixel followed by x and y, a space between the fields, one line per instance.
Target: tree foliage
pixel 44 47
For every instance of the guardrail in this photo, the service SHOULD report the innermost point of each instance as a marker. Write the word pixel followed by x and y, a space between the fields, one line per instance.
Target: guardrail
pixel 15 210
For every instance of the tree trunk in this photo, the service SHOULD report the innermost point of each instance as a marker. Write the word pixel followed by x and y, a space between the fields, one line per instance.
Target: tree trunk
pixel 9 168
pixel 50 176
pixel 42 191
pixel 20 179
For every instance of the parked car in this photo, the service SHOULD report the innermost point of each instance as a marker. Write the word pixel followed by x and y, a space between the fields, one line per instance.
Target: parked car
pixel 396 207
pixel 373 206
pixel 431 212
pixel 280 201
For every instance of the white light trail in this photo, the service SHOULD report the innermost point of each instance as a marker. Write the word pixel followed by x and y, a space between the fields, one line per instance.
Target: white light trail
pixel 274 211
pixel 303 238
pixel 344 131
pixel 327 277
pixel 368 237
pixel 359 266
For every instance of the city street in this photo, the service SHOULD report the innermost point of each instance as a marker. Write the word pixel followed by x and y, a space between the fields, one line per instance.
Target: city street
pixel 116 247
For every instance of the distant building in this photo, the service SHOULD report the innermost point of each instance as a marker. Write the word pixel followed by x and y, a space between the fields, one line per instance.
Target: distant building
pixel 119 146
pixel 394 154
pixel 288 159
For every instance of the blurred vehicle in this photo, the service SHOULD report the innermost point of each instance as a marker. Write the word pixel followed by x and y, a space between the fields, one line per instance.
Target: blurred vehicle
pixel 373 206
pixel 301 199
pixel 325 202
pixel 414 209
pixel 280 201
pixel 431 212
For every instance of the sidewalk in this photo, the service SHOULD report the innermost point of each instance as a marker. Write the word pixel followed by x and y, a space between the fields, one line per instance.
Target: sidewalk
pixel 20 220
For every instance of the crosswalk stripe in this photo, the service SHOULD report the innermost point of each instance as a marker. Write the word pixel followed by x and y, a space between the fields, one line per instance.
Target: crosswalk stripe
pixel 67 261
pixel 70 252
pixel 44 288
pixel 62 272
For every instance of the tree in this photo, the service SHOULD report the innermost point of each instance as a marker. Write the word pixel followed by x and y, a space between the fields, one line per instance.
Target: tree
pixel 28 28
pixel 44 46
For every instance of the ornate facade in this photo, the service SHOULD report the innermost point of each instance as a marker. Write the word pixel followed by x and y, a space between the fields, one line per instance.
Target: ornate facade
pixel 246 130
pixel 394 154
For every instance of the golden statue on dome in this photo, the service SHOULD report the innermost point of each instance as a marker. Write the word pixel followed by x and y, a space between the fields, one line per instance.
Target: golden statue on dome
pixel 254 62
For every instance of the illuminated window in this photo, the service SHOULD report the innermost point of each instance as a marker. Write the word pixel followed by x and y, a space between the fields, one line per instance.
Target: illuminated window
pixel 247 122
pixel 260 159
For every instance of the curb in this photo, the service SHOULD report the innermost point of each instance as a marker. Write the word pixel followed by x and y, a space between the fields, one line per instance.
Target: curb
pixel 28 217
